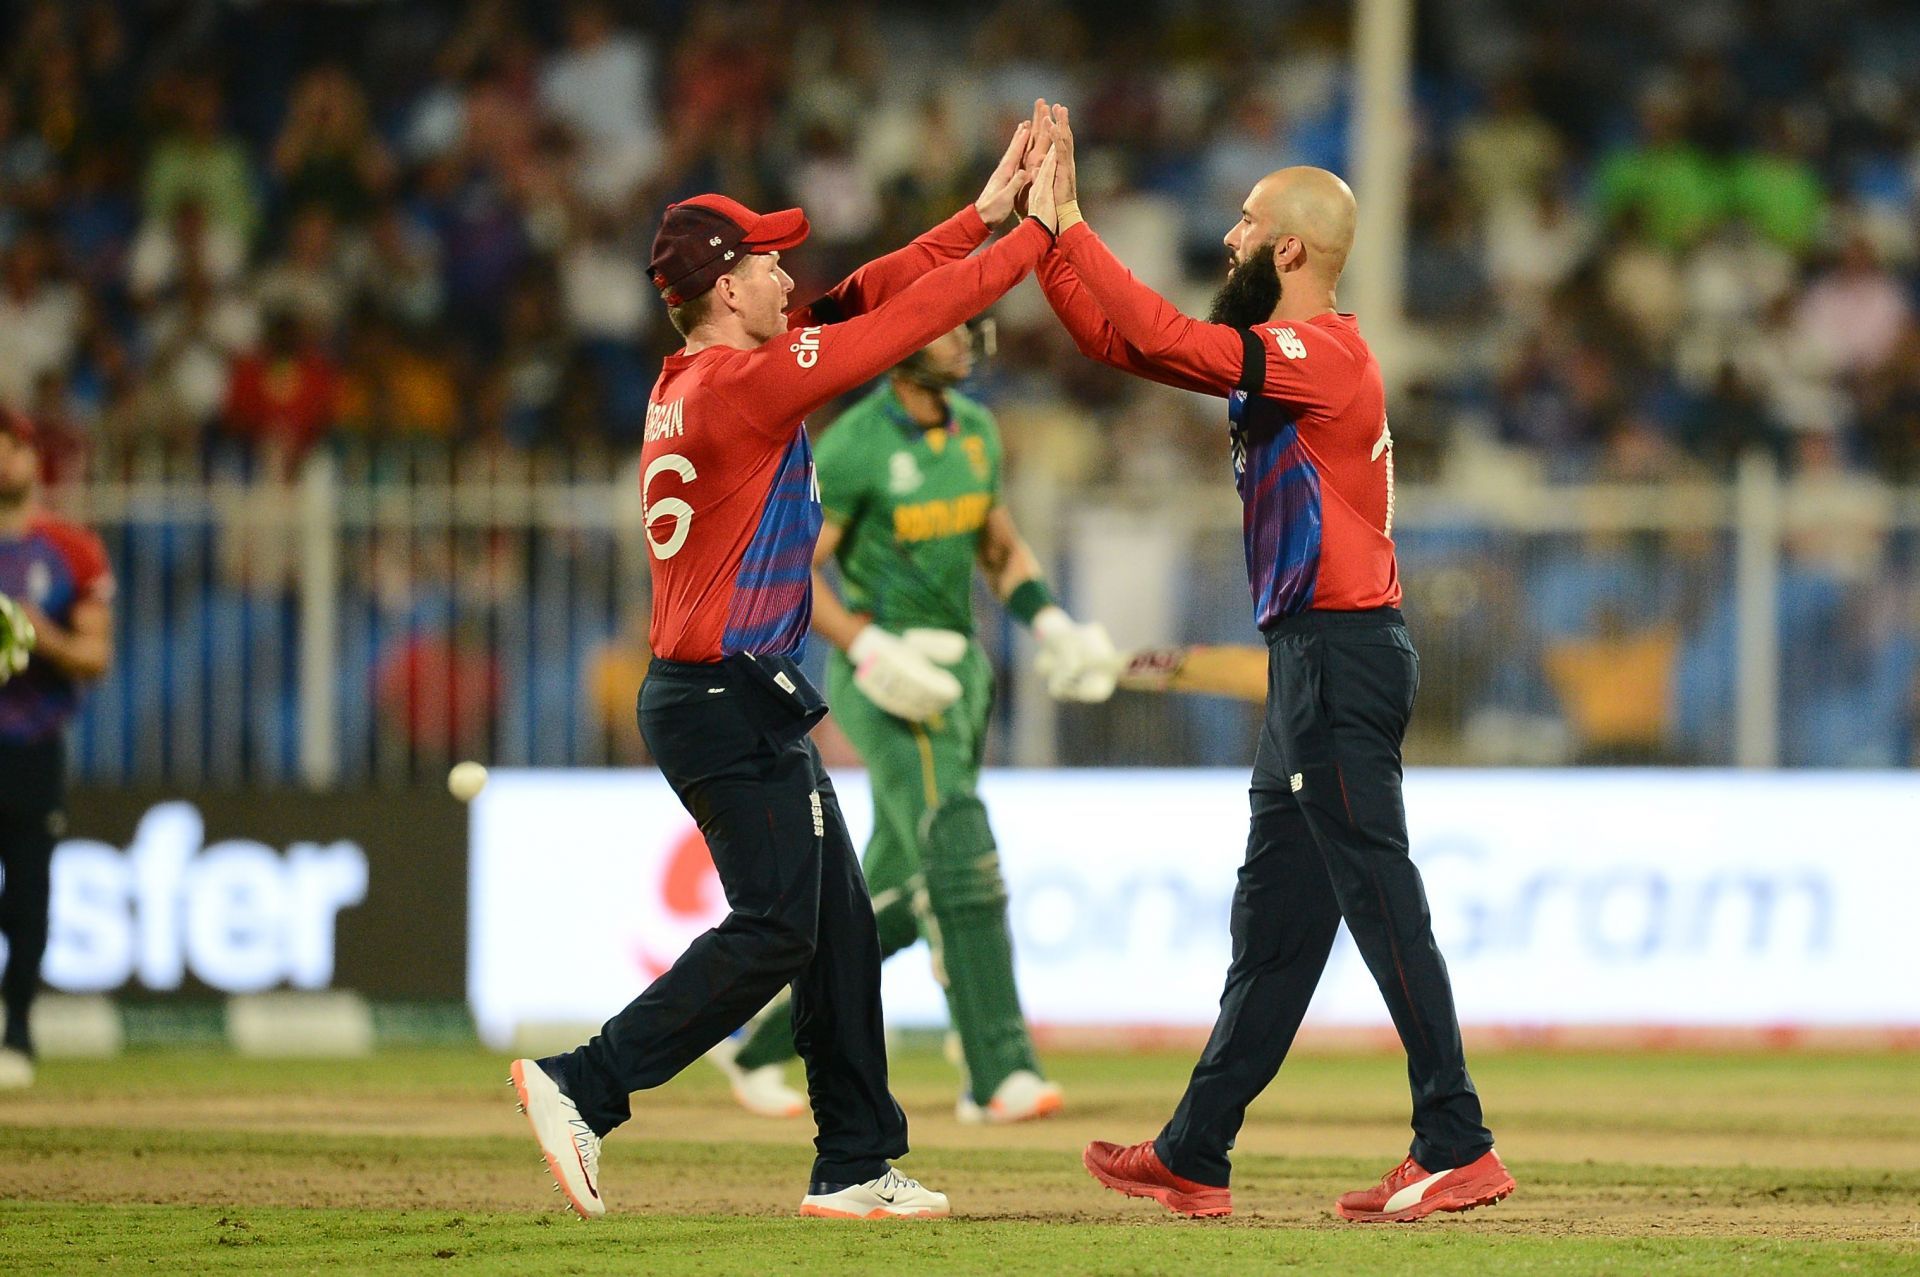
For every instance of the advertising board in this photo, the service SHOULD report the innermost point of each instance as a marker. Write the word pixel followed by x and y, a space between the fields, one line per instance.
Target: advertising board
pixel 1560 898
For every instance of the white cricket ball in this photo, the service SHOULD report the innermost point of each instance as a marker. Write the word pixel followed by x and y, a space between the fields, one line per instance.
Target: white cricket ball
pixel 466 780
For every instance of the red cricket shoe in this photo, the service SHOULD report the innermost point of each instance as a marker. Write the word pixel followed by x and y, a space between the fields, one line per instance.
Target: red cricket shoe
pixel 1137 1171
pixel 1410 1191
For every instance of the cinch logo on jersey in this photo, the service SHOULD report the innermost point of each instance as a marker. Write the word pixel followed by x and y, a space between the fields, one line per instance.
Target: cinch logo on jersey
pixel 806 350
pixel 665 421
pixel 953 516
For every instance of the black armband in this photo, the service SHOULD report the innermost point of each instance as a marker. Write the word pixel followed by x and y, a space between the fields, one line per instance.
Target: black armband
pixel 1253 367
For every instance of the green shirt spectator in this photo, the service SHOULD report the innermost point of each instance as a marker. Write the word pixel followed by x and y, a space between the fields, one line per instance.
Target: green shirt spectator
pixel 198 163
pixel 1678 192
pixel 1780 196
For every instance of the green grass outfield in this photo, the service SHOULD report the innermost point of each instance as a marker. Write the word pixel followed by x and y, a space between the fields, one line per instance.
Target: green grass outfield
pixel 174 1161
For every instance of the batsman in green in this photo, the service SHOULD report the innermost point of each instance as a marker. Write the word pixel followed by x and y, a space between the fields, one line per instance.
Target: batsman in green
pixel 910 481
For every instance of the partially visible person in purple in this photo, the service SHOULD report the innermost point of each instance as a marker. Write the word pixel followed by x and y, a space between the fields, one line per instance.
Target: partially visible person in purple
pixel 56 577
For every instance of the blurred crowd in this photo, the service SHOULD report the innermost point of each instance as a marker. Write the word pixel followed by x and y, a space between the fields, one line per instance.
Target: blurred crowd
pixel 1652 235
pixel 1645 239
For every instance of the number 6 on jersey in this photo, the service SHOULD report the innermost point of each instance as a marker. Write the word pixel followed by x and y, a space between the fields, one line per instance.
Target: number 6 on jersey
pixel 672 508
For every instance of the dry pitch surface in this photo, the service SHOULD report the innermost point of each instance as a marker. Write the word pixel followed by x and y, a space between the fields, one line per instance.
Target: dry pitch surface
pixel 1628 1163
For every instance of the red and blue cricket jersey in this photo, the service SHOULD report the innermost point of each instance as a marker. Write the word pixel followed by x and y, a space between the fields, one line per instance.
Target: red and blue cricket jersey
pixel 728 495
pixel 56 566
pixel 1307 424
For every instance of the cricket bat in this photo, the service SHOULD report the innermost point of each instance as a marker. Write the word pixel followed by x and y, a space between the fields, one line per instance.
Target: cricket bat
pixel 1226 670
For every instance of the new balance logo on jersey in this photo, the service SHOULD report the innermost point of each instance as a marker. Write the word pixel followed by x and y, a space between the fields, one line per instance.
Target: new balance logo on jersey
pixel 1289 343
pixel 664 421
pixel 806 351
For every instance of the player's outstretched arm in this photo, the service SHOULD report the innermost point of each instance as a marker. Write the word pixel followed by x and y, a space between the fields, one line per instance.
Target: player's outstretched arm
pixel 1149 334
pixel 1079 313
pixel 954 238
pixel 1137 328
pixel 806 367
pixel 1093 334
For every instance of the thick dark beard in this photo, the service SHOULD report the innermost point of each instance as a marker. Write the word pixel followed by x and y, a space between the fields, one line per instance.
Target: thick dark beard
pixel 1251 292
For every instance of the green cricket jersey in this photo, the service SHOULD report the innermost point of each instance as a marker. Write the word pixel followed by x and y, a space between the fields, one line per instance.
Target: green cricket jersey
pixel 911 503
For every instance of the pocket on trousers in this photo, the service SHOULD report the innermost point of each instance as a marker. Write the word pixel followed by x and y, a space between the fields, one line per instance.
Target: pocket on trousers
pixel 784 701
pixel 1370 681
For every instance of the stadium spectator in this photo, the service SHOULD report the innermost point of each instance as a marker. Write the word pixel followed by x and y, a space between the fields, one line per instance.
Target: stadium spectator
pixel 282 397
pixel 603 86
pixel 314 277
pixel 327 155
pixel 1510 154
pixel 403 267
pixel 1622 229
pixel 1664 177
pixel 1855 313
pixel 396 386
pixel 166 252
pixel 439 692
pixel 197 160
pixel 40 316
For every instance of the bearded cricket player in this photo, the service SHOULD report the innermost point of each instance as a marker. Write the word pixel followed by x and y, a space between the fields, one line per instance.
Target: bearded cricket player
pixel 910 484
pixel 732 511
pixel 1313 463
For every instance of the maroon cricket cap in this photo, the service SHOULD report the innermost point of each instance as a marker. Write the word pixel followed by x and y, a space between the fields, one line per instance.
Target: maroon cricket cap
pixel 18 425
pixel 703 238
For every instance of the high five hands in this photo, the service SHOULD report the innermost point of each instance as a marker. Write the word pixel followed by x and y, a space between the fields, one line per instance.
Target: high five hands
pixel 1036 175
pixel 1009 180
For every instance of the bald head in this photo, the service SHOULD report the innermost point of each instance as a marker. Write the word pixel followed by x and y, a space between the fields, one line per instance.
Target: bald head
pixel 1308 204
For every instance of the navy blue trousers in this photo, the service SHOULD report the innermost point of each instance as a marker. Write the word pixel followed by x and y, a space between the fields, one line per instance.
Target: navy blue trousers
pixel 32 814
pixel 731 738
pixel 1327 841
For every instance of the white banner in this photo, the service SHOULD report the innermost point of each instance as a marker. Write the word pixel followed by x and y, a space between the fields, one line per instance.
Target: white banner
pixel 1600 897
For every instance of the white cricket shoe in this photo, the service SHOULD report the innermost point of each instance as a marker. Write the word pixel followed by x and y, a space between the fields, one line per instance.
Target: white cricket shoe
pixel 16 1069
pixel 571 1148
pixel 1023 1097
pixel 763 1091
pixel 892 1196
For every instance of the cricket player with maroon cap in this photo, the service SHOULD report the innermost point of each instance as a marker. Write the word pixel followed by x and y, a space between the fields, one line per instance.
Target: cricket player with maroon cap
pixel 732 511
pixel 56 633
pixel 1313 462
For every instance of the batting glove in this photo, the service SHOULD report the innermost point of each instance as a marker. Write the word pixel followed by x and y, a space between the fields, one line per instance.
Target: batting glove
pixel 1077 660
pixel 899 678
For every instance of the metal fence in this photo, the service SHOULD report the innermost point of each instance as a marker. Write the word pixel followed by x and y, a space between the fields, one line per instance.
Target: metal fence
pixel 384 612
